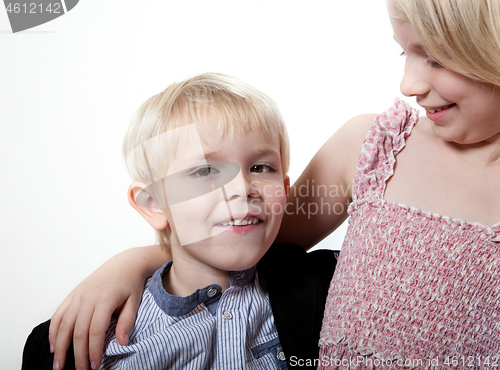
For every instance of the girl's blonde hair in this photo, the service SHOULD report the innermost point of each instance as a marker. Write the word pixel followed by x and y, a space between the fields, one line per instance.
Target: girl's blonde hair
pixel 238 107
pixel 461 35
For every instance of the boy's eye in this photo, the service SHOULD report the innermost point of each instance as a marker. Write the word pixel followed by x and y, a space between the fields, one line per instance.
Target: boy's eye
pixel 262 168
pixel 204 172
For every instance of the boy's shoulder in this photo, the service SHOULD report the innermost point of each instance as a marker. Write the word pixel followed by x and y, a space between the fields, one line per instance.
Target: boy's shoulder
pixel 297 283
pixel 287 261
pixel 36 353
pixel 288 268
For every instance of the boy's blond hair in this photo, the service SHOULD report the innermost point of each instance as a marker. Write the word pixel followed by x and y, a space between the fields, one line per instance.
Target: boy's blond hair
pixel 461 35
pixel 237 106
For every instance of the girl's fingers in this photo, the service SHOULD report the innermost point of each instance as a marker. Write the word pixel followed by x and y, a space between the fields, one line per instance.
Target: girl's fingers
pixel 55 322
pixel 81 335
pixel 64 336
pixel 97 332
pixel 126 319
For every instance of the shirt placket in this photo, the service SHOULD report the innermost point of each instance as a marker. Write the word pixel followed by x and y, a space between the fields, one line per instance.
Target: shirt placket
pixel 231 332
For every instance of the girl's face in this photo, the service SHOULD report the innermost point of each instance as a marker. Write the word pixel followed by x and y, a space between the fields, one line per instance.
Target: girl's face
pixel 462 110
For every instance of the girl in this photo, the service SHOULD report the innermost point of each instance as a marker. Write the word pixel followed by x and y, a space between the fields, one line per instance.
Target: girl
pixel 417 281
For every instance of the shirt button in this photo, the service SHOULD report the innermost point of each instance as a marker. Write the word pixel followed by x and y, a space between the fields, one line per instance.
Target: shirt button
pixel 211 292
pixel 227 315
pixel 281 356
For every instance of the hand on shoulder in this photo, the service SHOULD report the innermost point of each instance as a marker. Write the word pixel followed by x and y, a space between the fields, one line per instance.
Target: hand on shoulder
pixel 84 316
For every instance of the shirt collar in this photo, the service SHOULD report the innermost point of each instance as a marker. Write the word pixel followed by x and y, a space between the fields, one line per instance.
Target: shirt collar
pixel 178 306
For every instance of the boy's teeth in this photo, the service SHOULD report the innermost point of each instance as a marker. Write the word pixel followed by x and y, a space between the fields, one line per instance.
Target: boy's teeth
pixel 241 222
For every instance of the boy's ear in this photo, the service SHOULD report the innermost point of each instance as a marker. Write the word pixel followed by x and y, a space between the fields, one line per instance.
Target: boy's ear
pixel 146 206
pixel 286 182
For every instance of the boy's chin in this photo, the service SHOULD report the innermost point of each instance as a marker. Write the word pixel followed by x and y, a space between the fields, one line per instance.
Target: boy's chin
pixel 240 261
pixel 228 254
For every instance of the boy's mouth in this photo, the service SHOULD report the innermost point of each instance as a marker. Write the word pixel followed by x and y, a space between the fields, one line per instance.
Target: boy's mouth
pixel 248 220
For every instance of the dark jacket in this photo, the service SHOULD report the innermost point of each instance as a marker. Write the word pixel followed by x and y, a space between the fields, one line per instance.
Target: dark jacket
pixel 297 283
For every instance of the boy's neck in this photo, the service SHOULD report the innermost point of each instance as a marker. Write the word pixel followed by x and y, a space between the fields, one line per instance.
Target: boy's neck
pixel 184 278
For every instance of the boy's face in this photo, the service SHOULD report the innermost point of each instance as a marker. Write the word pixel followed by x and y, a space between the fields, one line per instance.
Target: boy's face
pixel 226 197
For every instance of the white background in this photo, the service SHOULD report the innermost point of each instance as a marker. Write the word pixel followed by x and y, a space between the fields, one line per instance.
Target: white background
pixel 69 87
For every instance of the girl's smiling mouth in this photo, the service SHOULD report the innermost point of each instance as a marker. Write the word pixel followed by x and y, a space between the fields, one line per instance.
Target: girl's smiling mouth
pixel 439 109
pixel 437 113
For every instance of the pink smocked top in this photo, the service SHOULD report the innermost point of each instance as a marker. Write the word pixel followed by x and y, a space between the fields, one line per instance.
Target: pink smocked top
pixel 412 289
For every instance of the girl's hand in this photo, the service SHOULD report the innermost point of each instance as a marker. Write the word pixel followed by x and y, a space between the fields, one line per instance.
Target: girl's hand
pixel 115 287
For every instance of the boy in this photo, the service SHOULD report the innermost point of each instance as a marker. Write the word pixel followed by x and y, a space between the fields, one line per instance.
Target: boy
pixel 209 158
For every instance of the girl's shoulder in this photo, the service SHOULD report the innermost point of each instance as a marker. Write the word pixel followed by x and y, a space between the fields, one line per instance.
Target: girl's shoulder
pixel 400 118
pixel 395 123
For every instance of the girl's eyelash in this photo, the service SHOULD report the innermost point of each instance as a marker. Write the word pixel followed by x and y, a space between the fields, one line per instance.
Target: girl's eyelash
pixel 430 62
pixel 434 64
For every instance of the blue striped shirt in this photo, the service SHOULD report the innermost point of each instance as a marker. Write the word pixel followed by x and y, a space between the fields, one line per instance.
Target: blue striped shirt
pixel 209 329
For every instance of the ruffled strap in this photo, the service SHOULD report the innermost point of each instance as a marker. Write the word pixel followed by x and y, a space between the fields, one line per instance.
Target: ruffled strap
pixel 385 139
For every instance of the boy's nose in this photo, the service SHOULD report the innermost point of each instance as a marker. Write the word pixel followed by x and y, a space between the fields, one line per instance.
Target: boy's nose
pixel 414 81
pixel 240 187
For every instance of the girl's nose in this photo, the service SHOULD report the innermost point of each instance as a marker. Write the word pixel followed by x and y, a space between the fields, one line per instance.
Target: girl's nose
pixel 414 81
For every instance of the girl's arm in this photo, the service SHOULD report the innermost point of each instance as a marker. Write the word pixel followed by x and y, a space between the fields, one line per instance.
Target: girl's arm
pixel 116 286
pixel 319 199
